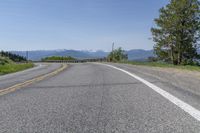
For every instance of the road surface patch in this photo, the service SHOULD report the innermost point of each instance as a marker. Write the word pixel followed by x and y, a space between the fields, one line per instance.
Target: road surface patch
pixel 181 104
pixel 31 81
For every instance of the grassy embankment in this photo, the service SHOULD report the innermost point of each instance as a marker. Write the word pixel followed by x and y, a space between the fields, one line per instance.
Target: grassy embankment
pixel 163 65
pixel 8 66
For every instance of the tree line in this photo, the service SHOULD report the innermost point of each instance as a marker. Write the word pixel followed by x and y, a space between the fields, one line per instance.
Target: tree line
pixel 13 57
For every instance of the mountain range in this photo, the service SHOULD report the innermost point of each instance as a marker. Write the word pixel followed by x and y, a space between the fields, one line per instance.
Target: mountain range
pixel 135 54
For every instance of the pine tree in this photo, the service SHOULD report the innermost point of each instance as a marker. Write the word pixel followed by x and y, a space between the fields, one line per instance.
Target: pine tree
pixel 178 31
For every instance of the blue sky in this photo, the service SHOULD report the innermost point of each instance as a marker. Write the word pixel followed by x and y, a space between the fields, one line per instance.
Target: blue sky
pixel 77 24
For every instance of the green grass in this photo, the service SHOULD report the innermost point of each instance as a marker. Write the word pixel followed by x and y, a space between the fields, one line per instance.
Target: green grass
pixel 13 67
pixel 163 65
pixel 58 58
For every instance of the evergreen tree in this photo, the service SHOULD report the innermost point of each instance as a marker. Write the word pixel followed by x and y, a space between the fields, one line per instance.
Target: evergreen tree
pixel 178 31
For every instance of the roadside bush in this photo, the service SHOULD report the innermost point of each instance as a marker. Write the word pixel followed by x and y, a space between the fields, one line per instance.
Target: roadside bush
pixel 4 61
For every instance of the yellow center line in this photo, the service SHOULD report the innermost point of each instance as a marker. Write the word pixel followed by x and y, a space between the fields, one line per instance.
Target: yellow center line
pixel 31 81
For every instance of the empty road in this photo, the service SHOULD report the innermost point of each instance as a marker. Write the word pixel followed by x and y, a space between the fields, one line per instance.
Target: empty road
pixel 95 98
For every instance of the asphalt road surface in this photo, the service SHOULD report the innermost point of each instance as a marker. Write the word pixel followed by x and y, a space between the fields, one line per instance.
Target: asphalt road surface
pixel 93 98
pixel 40 69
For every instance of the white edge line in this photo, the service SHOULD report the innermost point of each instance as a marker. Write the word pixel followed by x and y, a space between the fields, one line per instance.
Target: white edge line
pixel 181 104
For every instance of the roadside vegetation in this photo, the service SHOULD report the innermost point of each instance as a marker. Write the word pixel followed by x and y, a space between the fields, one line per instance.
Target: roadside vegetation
pixel 117 55
pixel 10 63
pixel 176 36
pixel 14 67
pixel 58 58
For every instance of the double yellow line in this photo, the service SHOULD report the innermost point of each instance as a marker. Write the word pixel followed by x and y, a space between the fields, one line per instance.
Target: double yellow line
pixel 31 81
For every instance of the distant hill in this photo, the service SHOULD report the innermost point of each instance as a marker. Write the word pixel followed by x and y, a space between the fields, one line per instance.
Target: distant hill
pixel 136 54
pixel 139 54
